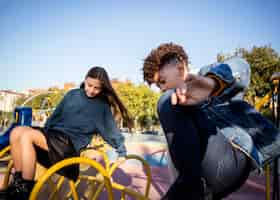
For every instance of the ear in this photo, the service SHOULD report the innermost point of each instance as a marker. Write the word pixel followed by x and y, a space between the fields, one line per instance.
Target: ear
pixel 156 77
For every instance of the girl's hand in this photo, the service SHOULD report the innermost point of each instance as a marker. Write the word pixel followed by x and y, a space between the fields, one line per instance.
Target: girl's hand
pixel 120 160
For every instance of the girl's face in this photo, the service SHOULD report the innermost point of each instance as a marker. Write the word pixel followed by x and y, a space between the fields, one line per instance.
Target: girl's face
pixel 93 87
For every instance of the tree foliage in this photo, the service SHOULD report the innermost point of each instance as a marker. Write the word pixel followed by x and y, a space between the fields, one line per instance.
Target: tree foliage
pixel 46 100
pixel 264 61
pixel 141 103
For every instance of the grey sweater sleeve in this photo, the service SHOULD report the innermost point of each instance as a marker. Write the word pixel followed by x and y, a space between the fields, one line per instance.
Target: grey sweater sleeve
pixel 110 132
pixel 56 113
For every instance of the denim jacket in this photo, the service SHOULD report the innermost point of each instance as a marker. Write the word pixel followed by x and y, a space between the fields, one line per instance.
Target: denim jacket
pixel 239 122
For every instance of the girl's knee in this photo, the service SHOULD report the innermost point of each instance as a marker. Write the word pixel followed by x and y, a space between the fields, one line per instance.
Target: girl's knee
pixel 33 137
pixel 26 137
pixel 16 133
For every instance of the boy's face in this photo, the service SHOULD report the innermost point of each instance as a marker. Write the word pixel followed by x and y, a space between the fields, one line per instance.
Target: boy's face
pixel 169 76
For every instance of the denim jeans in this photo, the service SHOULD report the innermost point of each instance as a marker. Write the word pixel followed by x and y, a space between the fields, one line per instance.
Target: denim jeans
pixel 224 168
pixel 253 133
pixel 197 150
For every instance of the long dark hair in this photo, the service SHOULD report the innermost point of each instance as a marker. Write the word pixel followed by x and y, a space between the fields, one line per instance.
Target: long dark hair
pixel 108 93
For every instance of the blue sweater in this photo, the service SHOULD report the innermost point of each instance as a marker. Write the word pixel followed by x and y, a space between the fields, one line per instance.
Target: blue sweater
pixel 80 117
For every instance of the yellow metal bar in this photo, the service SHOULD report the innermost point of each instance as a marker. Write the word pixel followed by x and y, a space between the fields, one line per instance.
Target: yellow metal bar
pixel 55 188
pixel 77 182
pixel 76 185
pixel 7 174
pixel 73 190
pixel 107 161
pixel 267 181
pixel 103 154
pixel 17 118
pixel 92 181
pixel 5 158
pixel 98 191
pixel 123 195
pixel 124 190
pixel 259 104
pixel 71 161
pixel 98 179
pixel 92 189
pixel 4 151
pixel 146 168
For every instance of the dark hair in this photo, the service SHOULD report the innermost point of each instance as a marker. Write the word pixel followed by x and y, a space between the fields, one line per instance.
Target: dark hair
pixel 169 58
pixel 108 93
pixel 164 54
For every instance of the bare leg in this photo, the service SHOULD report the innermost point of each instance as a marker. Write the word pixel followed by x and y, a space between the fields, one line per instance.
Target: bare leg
pixel 31 138
pixel 16 147
pixel 23 151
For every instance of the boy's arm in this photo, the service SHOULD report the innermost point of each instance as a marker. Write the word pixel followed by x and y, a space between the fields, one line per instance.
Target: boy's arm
pixel 221 74
pixel 214 80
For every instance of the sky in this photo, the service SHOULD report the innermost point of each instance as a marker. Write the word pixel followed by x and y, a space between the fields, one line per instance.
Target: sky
pixel 48 43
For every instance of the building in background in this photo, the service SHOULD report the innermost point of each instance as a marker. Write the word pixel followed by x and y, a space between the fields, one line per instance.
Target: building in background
pixel 69 85
pixel 8 99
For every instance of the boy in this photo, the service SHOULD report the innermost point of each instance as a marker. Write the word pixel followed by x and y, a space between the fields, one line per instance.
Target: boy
pixel 212 139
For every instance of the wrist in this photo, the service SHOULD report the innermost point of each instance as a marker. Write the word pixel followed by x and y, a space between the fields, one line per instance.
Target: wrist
pixel 216 84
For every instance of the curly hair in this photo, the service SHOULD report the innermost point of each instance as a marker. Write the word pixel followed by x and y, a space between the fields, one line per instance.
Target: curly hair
pixel 159 56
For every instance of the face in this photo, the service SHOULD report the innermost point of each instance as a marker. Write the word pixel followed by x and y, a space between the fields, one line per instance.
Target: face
pixel 169 77
pixel 92 87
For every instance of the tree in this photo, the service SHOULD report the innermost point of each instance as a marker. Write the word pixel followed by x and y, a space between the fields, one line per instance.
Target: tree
pixel 140 101
pixel 43 102
pixel 264 61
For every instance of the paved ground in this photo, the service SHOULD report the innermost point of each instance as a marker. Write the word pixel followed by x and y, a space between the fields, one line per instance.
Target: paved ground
pixel 253 189
pixel 131 174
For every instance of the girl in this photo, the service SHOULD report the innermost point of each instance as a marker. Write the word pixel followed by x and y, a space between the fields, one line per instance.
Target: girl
pixel 81 113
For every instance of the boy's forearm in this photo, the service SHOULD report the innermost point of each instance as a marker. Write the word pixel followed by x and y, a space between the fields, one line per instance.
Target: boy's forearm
pixel 221 74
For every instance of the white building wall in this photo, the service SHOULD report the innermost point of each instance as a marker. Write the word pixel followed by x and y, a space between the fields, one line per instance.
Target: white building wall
pixel 7 100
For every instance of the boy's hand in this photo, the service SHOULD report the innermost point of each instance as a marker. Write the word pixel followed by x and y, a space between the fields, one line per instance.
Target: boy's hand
pixel 193 90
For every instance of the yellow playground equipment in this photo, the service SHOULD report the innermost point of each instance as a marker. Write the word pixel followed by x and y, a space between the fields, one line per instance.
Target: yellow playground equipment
pixel 96 177
pixel 267 98
pixel 274 96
